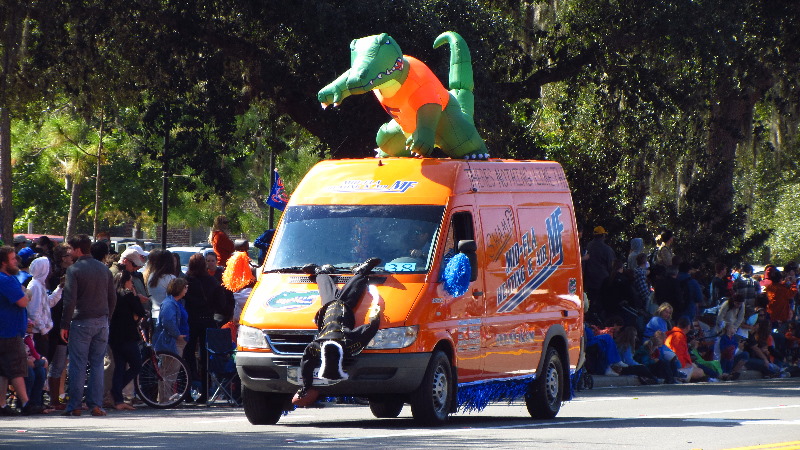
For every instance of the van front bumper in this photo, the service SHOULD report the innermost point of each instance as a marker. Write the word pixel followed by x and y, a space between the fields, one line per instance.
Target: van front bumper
pixel 369 373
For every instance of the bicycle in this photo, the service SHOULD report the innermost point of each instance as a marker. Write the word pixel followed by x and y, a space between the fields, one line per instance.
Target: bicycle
pixel 164 379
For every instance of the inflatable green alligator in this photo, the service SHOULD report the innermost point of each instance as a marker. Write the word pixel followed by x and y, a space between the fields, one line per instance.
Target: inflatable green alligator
pixel 424 113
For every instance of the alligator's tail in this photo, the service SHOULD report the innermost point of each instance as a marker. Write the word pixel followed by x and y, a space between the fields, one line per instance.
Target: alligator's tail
pixel 461 82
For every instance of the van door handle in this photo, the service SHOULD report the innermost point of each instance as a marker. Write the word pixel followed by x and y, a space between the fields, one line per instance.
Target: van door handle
pixel 477 293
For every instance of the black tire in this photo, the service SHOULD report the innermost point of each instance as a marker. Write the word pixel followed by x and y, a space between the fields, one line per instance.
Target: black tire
pixel 262 408
pixel 432 401
pixel 544 398
pixel 386 407
pixel 163 383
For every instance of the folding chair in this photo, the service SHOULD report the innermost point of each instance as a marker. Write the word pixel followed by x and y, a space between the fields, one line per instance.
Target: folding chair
pixel 221 371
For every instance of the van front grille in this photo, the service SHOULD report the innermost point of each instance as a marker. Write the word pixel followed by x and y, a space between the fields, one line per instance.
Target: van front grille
pixel 289 342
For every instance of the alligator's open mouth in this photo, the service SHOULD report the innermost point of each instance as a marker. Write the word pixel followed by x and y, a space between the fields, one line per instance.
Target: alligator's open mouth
pixel 371 84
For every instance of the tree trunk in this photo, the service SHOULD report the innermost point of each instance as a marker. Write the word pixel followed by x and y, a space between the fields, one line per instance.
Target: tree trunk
pixel 97 176
pixel 6 206
pixel 10 44
pixel 74 206
pixel 731 117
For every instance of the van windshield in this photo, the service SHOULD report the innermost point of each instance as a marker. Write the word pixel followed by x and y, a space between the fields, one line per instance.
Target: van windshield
pixel 403 237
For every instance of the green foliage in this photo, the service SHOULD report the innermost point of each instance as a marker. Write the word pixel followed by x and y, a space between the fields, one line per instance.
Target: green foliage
pixel 786 235
pixel 677 114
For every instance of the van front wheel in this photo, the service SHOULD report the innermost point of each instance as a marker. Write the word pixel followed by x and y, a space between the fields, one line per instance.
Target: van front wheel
pixel 544 398
pixel 431 402
pixel 262 408
pixel 386 407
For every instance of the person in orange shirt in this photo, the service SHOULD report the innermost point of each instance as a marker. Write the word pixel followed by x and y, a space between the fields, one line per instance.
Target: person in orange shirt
pixel 779 296
pixel 678 343
pixel 219 240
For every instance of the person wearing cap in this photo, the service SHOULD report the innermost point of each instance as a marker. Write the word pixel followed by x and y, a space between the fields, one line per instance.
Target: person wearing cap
pixel 597 267
pixel 131 260
pixel 26 255
pixel 20 242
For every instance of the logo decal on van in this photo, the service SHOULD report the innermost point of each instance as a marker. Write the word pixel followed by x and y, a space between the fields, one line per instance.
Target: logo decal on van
pixel 292 300
pixel 537 263
pixel 397 187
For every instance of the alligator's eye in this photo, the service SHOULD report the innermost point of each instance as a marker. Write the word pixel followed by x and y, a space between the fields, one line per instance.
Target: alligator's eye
pixel 388 42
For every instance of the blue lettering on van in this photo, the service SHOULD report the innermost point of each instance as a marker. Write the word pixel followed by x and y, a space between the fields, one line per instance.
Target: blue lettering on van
pixel 546 259
pixel 376 186
pixel 554 230
pixel 515 337
pixel 292 300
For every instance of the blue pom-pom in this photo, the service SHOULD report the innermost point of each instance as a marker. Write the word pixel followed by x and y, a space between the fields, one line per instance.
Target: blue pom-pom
pixel 456 275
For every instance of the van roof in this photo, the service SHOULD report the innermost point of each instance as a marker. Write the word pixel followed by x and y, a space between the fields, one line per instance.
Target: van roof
pixel 425 181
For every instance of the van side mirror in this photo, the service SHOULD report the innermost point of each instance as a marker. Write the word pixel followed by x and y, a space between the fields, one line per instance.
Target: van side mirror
pixel 469 248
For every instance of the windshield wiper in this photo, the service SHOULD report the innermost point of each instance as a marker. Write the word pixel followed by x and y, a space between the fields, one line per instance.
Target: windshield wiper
pixel 290 269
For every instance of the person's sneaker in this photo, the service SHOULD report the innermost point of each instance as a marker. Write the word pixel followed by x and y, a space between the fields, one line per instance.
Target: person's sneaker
pixel 366 267
pixel 8 411
pixel 31 409
pixel 610 372
pixel 713 380
pixel 621 364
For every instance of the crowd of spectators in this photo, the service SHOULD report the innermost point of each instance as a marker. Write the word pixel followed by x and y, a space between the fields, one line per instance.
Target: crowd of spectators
pixel 66 308
pixel 692 328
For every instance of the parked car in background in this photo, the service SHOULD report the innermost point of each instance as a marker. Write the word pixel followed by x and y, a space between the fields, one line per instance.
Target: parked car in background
pixel 185 253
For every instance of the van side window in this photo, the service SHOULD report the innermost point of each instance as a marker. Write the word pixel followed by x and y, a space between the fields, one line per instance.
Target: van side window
pixel 460 229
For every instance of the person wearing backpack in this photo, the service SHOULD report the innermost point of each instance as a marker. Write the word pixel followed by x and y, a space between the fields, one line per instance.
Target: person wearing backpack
pixel 690 294
pixel 664 254
pixel 719 285
pixel 746 286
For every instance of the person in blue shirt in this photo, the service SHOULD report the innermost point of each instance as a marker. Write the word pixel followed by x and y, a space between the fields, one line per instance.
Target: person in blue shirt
pixel 172 331
pixel 13 325
pixel 689 287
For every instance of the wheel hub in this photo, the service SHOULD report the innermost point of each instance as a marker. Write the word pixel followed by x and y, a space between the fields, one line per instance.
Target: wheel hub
pixel 440 389
pixel 551 383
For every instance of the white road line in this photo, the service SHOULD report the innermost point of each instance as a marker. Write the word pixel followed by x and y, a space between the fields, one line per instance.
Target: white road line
pixel 418 433
pixel 238 419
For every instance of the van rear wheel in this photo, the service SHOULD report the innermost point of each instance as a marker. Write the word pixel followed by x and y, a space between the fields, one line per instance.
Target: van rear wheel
pixel 386 407
pixel 544 398
pixel 432 401
pixel 262 408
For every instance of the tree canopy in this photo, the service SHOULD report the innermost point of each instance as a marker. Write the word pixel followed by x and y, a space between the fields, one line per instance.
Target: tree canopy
pixel 676 114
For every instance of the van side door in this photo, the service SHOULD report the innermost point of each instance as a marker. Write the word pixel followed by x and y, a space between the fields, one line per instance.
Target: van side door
pixel 465 313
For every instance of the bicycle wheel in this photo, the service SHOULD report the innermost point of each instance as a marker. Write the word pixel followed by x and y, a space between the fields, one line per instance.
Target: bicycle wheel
pixel 163 381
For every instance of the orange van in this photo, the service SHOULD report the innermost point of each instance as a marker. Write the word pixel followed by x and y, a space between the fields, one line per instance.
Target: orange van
pixel 515 331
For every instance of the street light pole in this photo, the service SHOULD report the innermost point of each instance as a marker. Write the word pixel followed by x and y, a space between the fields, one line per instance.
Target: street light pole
pixel 164 188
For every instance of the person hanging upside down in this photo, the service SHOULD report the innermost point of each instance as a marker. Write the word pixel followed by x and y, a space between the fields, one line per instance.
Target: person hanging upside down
pixel 337 338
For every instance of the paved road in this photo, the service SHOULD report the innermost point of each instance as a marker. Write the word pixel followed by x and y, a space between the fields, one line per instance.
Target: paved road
pixel 696 416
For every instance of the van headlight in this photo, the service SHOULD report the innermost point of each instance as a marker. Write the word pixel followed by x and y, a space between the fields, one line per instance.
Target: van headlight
pixel 388 338
pixel 251 337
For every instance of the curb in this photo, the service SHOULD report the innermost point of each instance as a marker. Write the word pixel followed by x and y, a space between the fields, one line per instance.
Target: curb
pixel 602 381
